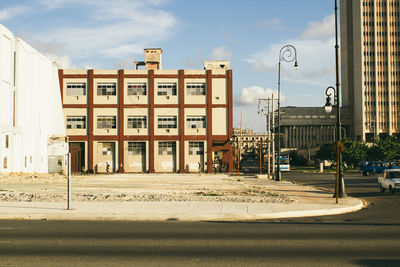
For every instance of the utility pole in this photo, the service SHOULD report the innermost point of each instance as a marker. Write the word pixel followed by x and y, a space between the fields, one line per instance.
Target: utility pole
pixel 269 115
pixel 240 140
pixel 273 135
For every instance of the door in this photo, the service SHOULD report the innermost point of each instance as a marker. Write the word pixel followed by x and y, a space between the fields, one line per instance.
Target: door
pixel 106 157
pixel 77 150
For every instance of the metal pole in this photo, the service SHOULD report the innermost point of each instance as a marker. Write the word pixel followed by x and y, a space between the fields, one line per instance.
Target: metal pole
pixel 342 191
pixel 269 140
pixel 273 135
pixel 69 182
pixel 260 154
pixel 278 166
pixel 240 140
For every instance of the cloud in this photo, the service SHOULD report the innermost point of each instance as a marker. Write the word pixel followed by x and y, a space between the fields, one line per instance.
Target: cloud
pixel 272 24
pixel 320 29
pixel 220 53
pixel 65 62
pixel 315 56
pixel 249 96
pixel 125 64
pixel 11 12
pixel 111 30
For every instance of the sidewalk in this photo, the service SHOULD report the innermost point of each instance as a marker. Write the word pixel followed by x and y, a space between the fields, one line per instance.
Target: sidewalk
pixel 305 200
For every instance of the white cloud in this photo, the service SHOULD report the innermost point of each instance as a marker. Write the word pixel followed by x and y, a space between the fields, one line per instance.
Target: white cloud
pixel 65 62
pixel 11 12
pixel 320 29
pixel 249 96
pixel 220 53
pixel 315 56
pixel 111 30
pixel 126 63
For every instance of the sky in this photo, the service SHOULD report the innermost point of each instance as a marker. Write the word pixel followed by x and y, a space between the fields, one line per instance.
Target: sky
pixel 111 34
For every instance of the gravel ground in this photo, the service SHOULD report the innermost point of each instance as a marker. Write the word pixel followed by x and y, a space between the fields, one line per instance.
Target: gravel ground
pixel 51 188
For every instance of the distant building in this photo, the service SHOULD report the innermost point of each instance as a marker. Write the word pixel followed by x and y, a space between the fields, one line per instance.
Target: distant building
pixel 149 120
pixel 32 133
pixel 248 141
pixel 307 128
pixel 370 66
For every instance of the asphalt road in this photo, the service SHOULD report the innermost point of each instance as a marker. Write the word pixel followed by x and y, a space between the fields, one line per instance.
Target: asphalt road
pixel 383 208
pixel 370 237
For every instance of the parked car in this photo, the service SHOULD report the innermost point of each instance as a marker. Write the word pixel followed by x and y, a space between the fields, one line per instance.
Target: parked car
pixel 375 167
pixel 390 180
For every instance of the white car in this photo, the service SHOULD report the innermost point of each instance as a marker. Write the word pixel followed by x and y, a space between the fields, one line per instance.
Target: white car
pixel 390 180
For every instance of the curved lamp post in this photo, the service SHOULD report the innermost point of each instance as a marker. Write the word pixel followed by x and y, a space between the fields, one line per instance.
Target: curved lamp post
pixel 339 188
pixel 339 165
pixel 288 53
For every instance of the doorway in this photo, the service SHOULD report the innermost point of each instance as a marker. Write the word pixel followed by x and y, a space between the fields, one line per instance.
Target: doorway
pixel 77 150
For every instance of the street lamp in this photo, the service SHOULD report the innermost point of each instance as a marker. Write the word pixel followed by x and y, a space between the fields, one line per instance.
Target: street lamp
pixel 339 188
pixel 288 53
pixel 339 165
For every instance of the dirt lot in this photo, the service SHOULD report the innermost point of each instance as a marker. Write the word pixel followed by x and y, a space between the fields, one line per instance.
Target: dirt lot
pixel 138 187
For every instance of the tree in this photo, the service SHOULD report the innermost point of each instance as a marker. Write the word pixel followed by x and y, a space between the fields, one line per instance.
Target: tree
pixel 325 152
pixel 387 149
pixel 354 152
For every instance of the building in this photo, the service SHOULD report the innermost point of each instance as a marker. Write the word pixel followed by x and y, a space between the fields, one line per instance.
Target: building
pixel 370 66
pixel 248 141
pixel 305 129
pixel 32 133
pixel 149 120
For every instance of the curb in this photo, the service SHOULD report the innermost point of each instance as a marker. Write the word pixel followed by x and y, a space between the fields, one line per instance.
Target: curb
pixel 75 214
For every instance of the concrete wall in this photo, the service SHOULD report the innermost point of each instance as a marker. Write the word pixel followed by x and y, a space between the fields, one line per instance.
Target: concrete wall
pixel 31 111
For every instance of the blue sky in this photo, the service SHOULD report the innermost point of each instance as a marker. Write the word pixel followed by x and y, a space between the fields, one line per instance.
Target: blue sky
pixel 105 34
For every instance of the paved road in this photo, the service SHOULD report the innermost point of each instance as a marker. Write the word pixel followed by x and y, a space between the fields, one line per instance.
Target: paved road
pixel 81 243
pixel 366 238
pixel 383 208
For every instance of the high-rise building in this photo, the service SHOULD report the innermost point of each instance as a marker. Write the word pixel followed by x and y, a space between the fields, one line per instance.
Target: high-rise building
pixel 149 120
pixel 370 66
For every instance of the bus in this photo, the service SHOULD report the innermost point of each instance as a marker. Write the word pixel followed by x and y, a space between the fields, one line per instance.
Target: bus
pixel 285 163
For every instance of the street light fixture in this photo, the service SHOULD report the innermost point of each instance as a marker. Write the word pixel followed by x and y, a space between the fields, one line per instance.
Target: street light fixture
pixel 339 188
pixel 288 53
pixel 337 147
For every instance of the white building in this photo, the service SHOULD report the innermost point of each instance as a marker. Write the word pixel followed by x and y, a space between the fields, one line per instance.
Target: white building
pixel 32 131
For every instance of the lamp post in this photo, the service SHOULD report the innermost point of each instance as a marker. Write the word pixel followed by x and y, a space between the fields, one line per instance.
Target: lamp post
pixel 288 53
pixel 339 165
pixel 340 188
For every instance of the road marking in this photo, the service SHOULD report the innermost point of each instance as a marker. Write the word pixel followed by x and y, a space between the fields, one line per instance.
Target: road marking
pixel 5 228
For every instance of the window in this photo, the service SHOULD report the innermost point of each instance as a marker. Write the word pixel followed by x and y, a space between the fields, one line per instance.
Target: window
pixel 166 148
pixel 5 163
pixel 167 122
pixel 136 89
pixel 107 149
pixel 196 148
pixel 166 89
pixel 106 122
pixel 76 122
pixel 7 141
pixel 196 89
pixel 136 148
pixel 196 122
pixel 138 122
pixel 76 89
pixel 106 89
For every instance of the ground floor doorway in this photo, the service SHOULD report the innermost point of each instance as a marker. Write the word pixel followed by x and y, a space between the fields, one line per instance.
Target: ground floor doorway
pixel 77 150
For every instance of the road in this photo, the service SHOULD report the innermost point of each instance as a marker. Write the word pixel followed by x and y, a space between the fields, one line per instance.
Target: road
pixel 366 238
pixel 383 208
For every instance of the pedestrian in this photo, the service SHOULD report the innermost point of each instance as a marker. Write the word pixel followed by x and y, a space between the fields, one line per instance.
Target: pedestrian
pixel 199 166
pixel 107 167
